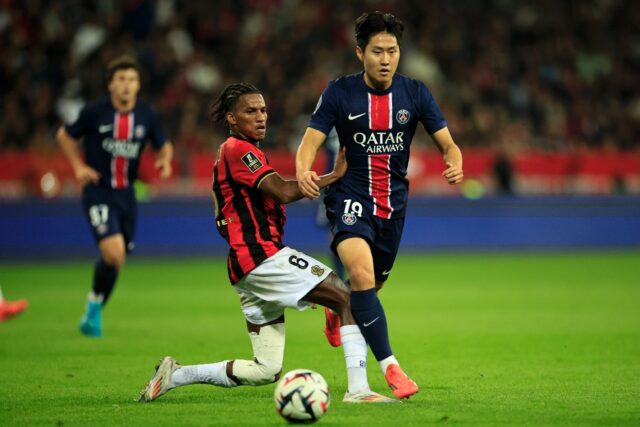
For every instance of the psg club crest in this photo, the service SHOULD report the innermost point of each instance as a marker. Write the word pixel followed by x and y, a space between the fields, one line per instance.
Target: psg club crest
pixel 349 218
pixel 402 116
pixel 139 132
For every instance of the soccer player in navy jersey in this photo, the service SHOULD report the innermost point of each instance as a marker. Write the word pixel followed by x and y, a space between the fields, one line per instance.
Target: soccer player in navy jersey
pixel 114 131
pixel 375 113
pixel 268 276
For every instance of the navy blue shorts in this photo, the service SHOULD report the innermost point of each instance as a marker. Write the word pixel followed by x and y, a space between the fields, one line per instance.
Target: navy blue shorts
pixel 110 212
pixel 383 235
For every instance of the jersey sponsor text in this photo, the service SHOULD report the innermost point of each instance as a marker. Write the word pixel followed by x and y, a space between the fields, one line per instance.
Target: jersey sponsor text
pixel 121 147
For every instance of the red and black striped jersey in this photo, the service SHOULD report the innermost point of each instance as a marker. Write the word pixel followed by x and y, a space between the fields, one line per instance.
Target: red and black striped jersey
pixel 250 221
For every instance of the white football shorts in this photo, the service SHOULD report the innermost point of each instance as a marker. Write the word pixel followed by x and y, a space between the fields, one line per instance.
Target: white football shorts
pixel 279 282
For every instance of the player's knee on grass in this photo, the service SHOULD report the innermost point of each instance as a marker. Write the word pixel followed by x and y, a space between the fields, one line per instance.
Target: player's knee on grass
pixel 268 353
pixel 250 372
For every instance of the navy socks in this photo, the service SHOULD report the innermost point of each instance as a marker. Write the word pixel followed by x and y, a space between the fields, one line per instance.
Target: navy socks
pixel 104 279
pixel 371 320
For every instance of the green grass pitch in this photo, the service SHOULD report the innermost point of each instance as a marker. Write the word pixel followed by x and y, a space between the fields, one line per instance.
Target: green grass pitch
pixel 492 339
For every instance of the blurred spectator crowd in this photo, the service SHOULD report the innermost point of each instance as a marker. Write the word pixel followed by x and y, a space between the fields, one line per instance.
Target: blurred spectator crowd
pixel 555 75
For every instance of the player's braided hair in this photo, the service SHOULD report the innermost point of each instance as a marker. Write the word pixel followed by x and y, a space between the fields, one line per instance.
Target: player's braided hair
pixel 369 24
pixel 227 99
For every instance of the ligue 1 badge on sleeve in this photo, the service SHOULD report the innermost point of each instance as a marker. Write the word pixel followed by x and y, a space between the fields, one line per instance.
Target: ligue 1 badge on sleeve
pixel 349 218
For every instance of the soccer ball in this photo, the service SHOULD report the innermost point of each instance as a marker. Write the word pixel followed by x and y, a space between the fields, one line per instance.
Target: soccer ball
pixel 301 396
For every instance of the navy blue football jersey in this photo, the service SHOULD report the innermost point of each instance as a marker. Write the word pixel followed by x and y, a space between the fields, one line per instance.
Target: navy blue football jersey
pixel 113 142
pixel 377 128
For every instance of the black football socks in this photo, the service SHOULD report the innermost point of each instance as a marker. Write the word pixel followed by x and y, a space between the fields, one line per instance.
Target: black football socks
pixel 104 280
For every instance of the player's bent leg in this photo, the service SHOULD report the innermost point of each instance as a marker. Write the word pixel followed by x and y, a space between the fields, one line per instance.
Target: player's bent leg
pixel 333 294
pixel 268 353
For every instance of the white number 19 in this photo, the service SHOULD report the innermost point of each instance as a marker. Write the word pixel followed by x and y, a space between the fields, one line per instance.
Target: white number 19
pixel 353 207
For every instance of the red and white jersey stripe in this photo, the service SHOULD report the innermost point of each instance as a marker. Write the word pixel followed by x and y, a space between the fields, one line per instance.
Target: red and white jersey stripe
pixel 376 127
pixel 380 111
pixel 380 118
pixel 380 185
pixel 122 130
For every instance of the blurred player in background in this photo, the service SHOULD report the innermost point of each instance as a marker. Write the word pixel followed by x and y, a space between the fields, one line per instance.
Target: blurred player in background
pixel 9 309
pixel 375 113
pixel 268 276
pixel 114 131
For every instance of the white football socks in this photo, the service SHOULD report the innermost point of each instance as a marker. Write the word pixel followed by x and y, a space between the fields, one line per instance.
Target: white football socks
pixel 212 373
pixel 355 355
pixel 384 363
pixel 93 297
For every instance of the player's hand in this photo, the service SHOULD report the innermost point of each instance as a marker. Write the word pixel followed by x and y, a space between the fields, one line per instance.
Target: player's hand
pixel 340 167
pixel 307 184
pixel 453 174
pixel 164 167
pixel 86 174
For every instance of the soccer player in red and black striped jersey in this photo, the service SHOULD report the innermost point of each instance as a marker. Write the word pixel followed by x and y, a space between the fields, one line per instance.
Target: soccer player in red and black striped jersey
pixel 267 275
pixel 375 114
pixel 114 132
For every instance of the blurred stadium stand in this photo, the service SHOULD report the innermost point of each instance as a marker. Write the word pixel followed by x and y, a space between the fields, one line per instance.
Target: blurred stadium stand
pixel 551 86
pixel 542 96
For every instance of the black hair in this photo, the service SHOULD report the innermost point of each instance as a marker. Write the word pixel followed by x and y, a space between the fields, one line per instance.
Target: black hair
pixel 369 24
pixel 123 62
pixel 227 100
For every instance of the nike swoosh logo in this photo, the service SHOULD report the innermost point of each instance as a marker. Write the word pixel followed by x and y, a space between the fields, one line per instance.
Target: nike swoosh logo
pixel 105 128
pixel 386 272
pixel 355 117
pixel 370 323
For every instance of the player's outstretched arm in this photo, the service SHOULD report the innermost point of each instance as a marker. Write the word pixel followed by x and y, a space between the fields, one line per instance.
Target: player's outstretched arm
pixel 306 154
pixel 451 155
pixel 84 174
pixel 287 191
pixel 163 160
